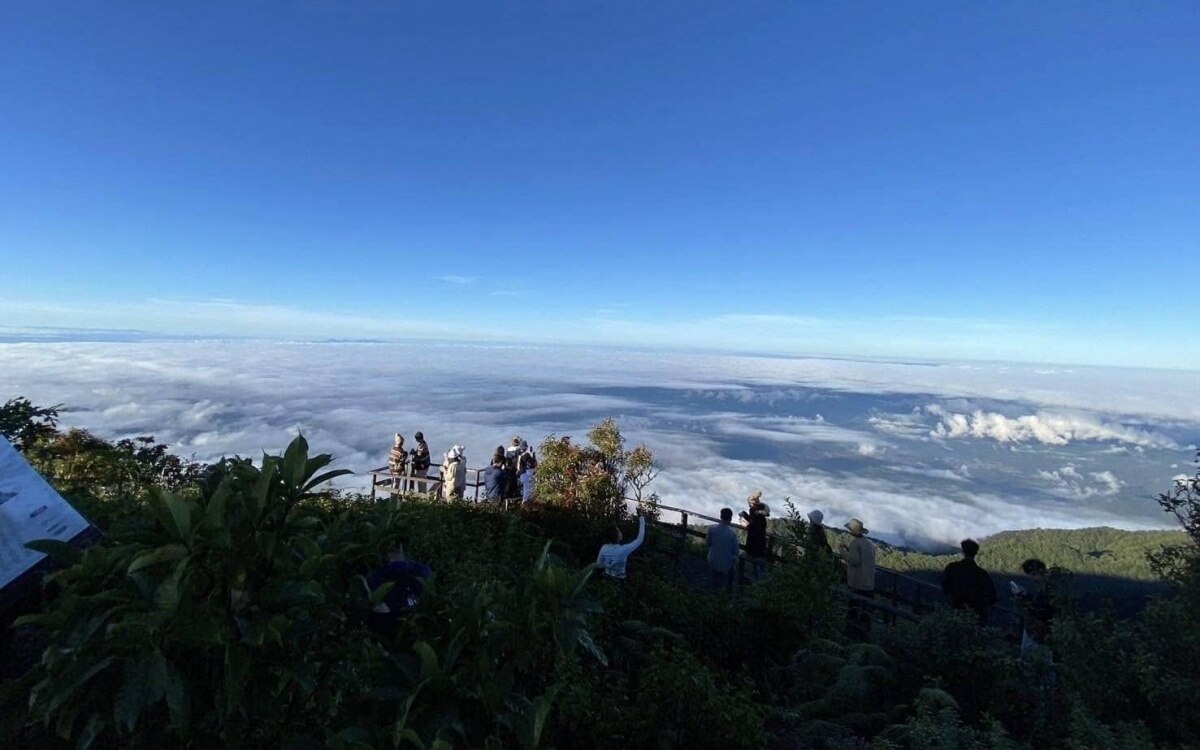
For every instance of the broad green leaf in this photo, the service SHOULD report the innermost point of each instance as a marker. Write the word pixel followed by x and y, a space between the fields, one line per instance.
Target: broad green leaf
pixel 429 660
pixel 168 553
pixel 74 679
pixel 327 476
pixel 61 553
pixel 295 459
pixel 541 712
pixel 143 683
pixel 179 514
pixel 214 514
pixel 91 730
pixel 168 595
pixel 262 488
pixel 179 704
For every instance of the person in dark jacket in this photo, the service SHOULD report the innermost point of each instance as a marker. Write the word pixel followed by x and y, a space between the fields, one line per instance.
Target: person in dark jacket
pixel 818 543
pixel 494 480
pixel 968 585
pixel 1038 606
pixel 420 456
pixel 526 466
pixel 755 518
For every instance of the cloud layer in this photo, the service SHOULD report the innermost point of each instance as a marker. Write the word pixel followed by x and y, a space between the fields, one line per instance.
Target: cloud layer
pixel 922 452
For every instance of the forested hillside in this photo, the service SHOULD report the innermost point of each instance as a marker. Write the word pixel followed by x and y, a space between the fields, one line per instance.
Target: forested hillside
pixel 1099 551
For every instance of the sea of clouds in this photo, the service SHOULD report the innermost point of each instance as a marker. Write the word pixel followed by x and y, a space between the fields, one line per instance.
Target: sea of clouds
pixel 925 453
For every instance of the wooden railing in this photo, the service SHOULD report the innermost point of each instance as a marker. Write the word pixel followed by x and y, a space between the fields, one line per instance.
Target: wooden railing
pixel 429 483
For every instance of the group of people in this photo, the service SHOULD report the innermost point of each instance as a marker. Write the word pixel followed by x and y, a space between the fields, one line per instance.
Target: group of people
pixel 509 474
pixel 400 461
pixel 724 548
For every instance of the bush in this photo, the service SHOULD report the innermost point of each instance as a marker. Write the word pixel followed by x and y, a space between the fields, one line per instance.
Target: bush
pixel 673 700
pixel 229 621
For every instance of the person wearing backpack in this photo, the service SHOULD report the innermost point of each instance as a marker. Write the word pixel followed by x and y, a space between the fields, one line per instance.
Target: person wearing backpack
pixel 526 467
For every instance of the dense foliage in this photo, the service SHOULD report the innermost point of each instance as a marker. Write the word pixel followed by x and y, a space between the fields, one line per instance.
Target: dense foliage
pixel 1096 551
pixel 228 606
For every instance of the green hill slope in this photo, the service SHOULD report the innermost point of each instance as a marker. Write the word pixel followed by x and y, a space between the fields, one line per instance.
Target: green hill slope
pixel 1100 551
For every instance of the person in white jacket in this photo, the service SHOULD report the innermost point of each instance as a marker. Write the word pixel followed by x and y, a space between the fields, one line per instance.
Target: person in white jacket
pixel 454 474
pixel 613 556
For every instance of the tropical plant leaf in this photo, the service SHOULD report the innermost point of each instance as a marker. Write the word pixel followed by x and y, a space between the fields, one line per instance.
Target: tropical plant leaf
pixel 167 553
pixel 323 478
pixel 62 553
pixel 295 459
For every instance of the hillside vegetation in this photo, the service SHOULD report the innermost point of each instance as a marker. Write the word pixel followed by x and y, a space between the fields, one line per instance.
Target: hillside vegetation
pixel 228 607
pixel 1097 551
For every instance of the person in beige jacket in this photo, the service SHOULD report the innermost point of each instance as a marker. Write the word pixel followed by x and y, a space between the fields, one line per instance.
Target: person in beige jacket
pixel 859 556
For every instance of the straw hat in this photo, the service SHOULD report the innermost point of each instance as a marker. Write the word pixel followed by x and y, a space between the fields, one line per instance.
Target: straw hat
pixel 856 526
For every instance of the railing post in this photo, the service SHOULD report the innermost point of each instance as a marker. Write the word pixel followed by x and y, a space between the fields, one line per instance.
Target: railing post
pixel 895 597
pixel 681 540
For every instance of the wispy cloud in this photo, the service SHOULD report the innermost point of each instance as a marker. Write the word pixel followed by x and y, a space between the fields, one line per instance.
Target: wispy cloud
pixel 456 279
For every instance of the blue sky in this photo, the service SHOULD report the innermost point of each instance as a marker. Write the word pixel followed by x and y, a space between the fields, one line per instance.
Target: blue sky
pixel 961 180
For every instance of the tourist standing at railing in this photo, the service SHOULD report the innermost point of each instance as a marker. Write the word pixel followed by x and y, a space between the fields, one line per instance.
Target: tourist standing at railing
pixel 614 556
pixel 756 533
pixel 968 585
pixel 818 543
pixel 526 466
pixel 420 456
pixel 859 556
pixel 723 545
pixel 494 480
pixel 1038 607
pixel 398 461
pixel 454 473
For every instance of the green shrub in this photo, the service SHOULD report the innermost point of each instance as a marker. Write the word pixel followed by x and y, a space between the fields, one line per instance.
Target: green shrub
pixel 228 621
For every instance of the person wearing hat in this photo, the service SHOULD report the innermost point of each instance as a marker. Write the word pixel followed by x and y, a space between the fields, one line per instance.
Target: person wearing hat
pixel 859 556
pixel 454 474
pixel 818 543
pixel 420 456
pixel 398 460
pixel 755 518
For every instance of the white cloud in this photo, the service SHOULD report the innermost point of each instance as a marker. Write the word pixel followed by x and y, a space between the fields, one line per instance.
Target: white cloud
pixel 911 425
pixel 456 279
pixel 1050 428
pixel 1070 483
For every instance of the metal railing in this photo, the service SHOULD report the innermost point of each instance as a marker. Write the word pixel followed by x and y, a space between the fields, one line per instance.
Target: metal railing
pixel 897 595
